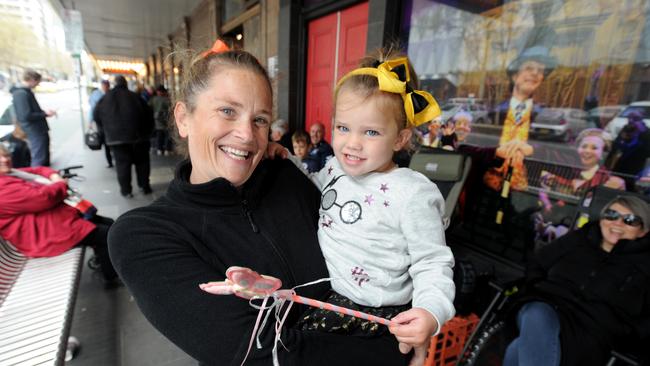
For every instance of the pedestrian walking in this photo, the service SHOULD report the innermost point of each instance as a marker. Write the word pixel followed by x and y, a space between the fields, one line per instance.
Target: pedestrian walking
pixel 32 119
pixel 127 123
pixel 94 98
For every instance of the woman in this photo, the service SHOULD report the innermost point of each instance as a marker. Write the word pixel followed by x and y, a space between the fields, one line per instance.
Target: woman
pixel 37 221
pixel 228 206
pixel 591 143
pixel 588 292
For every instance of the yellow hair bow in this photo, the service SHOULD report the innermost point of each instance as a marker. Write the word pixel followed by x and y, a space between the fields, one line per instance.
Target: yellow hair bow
pixel 393 77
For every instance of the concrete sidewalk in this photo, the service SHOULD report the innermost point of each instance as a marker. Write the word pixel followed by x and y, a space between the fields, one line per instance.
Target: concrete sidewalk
pixel 111 328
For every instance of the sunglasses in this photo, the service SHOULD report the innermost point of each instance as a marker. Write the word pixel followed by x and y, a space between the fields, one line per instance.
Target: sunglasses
pixel 628 219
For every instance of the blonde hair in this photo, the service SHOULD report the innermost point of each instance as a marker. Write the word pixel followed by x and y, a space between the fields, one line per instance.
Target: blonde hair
pixel 367 86
pixel 596 132
pixel 198 75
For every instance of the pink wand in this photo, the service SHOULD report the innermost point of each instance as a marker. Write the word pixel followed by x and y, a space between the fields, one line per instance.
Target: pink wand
pixel 249 284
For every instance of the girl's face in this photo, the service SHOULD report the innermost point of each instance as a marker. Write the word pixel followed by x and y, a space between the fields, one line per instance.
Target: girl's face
pixel 228 130
pixel 365 136
pixel 590 150
pixel 615 230
pixel 5 163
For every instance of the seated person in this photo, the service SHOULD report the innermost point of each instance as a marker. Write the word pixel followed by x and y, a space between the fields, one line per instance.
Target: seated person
pixel 320 150
pixel 301 147
pixel 37 221
pixel 591 144
pixel 588 292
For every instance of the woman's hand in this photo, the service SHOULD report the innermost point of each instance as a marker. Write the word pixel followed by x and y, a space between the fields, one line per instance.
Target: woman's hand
pixel 413 329
pixel 274 149
pixel 514 152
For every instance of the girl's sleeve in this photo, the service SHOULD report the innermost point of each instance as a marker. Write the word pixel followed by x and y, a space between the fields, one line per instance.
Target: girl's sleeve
pixel 431 259
pixel 32 197
pixel 162 271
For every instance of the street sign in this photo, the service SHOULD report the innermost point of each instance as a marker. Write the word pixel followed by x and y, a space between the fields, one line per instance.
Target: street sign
pixel 74 36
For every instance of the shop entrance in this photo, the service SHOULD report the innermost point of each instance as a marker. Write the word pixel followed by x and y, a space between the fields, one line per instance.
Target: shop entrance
pixel 336 42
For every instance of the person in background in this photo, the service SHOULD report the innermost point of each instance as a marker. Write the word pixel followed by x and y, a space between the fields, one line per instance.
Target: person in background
pixel 588 292
pixel 280 134
pixel 592 144
pixel 127 123
pixel 463 125
pixel 93 99
pixel 32 119
pixel 320 151
pixel 37 221
pixel 228 206
pixel 301 146
pixel 630 151
pixel 160 105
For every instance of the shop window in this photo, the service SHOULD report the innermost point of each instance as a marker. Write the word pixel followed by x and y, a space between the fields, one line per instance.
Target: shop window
pixel 568 78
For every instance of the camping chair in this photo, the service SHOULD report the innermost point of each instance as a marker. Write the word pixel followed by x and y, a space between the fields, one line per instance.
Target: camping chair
pixel 447 169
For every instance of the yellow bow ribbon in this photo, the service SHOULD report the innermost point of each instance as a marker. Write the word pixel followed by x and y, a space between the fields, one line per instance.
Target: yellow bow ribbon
pixel 393 76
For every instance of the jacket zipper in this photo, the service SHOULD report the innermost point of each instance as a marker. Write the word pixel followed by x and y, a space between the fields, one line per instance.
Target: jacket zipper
pixel 248 215
pixel 275 248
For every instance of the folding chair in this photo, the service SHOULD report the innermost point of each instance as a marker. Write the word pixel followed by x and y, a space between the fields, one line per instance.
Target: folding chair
pixel 447 169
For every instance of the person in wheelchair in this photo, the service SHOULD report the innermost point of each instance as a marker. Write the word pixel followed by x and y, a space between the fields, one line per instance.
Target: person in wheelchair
pixel 35 218
pixel 588 292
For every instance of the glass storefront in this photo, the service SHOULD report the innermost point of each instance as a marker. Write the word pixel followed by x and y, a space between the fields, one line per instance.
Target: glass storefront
pixel 569 78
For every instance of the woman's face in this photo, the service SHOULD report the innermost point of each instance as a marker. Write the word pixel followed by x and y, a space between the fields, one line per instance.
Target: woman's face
pixel 228 130
pixel 615 230
pixel 5 163
pixel 590 150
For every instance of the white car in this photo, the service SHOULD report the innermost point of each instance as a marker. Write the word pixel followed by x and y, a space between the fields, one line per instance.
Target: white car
pixel 614 126
pixel 562 124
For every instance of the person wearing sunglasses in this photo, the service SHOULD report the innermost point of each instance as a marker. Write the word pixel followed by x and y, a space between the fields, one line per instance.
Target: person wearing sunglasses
pixel 588 292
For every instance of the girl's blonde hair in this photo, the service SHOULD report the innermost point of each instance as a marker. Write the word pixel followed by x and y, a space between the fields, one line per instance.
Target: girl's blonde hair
pixel 367 86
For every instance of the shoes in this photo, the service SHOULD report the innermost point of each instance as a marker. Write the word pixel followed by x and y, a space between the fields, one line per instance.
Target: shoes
pixel 146 190
pixel 160 152
pixel 109 165
pixel 127 195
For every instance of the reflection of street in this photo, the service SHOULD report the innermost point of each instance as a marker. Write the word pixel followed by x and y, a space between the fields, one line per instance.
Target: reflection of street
pixel 548 151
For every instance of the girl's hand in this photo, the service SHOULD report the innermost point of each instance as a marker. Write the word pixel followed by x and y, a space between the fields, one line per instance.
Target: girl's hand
pixel 274 149
pixel 57 178
pixel 414 328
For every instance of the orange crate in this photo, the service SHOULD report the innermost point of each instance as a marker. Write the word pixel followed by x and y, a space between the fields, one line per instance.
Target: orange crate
pixel 446 347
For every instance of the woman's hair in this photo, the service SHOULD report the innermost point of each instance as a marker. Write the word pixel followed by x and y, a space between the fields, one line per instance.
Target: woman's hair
pixel 367 86
pixel 596 132
pixel 638 207
pixel 197 76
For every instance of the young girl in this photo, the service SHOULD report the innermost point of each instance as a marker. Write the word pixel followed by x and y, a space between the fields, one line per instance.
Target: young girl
pixel 380 226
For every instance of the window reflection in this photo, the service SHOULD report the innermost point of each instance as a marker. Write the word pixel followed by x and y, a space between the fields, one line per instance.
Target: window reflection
pixel 569 78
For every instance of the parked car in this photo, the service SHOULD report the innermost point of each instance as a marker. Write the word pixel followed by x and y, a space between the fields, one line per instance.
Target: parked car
pixel 599 117
pixel 615 125
pixel 562 124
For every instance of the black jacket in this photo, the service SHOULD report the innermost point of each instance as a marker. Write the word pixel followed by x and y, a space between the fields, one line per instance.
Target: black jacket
pixel 124 117
pixel 30 116
pixel 602 299
pixel 195 232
